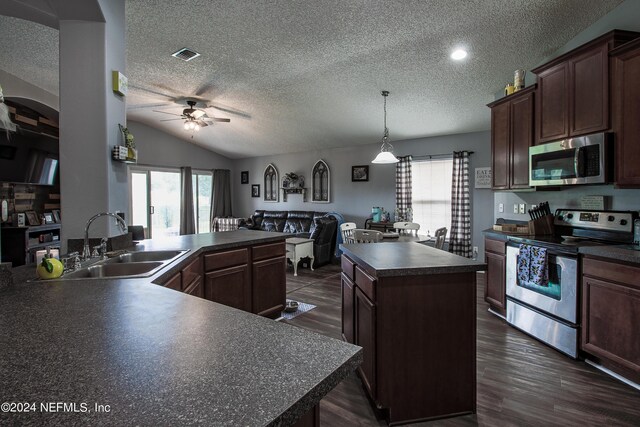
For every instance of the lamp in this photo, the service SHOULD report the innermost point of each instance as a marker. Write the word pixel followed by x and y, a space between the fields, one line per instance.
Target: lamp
pixel 191 124
pixel 386 150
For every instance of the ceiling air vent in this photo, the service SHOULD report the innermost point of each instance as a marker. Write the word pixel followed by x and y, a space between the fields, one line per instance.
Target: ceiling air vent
pixel 186 54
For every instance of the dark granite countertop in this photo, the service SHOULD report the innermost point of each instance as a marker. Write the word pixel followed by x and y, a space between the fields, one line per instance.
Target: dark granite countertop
pixel 407 259
pixel 619 253
pixel 157 356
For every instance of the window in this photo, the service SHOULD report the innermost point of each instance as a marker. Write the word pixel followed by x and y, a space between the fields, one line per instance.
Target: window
pixel 431 193
pixel 155 200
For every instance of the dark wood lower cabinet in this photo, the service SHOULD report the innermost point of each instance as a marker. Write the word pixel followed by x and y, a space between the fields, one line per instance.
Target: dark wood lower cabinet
pixel 310 419
pixel 269 286
pixel 348 296
pixel 250 278
pixel 196 289
pixel 611 315
pixel 495 288
pixel 365 337
pixel 229 286
pixel 418 337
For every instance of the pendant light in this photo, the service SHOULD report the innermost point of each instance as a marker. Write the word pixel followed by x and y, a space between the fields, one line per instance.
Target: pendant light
pixel 386 150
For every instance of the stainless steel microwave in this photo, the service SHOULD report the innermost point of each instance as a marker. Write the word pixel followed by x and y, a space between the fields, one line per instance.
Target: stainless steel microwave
pixel 581 160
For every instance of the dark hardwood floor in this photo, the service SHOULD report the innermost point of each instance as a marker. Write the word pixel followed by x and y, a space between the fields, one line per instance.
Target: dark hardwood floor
pixel 521 382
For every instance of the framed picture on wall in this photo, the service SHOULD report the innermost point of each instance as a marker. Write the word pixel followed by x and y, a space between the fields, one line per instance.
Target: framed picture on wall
pixel 360 173
pixel 244 177
pixel 255 190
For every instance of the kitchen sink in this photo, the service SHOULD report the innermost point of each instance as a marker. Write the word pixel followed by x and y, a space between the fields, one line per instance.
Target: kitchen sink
pixel 144 257
pixel 129 265
pixel 131 269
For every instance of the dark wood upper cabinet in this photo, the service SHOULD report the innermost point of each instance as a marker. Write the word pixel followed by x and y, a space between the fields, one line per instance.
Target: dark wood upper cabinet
pixel 500 127
pixel 573 90
pixel 552 107
pixel 521 138
pixel 626 113
pixel 511 137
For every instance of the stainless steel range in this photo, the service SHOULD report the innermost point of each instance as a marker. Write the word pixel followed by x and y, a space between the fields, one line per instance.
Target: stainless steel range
pixel 550 311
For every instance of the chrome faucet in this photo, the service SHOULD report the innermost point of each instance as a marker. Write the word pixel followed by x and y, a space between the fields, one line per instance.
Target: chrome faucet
pixel 86 251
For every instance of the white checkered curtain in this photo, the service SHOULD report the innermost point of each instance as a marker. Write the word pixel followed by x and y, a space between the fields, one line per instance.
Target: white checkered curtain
pixel 403 189
pixel 460 236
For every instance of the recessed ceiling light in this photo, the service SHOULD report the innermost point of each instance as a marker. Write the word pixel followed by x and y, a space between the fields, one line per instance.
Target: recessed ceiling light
pixel 459 54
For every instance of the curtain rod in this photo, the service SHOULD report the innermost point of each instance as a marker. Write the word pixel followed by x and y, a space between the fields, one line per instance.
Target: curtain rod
pixel 431 156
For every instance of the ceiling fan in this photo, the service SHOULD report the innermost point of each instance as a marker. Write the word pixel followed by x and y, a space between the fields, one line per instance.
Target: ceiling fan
pixel 194 118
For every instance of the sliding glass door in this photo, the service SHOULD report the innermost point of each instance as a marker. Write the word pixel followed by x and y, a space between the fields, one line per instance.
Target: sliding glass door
pixel 155 200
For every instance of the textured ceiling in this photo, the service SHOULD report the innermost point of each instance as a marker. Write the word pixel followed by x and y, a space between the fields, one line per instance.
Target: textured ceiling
pixel 298 76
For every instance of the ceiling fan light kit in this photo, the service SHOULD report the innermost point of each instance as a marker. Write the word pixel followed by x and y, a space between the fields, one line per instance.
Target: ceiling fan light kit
pixel 386 150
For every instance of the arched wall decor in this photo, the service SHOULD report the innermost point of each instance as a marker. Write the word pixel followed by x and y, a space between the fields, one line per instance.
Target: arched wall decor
pixel 320 182
pixel 271 183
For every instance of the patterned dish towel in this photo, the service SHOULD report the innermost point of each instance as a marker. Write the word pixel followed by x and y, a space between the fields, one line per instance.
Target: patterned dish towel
pixel 532 265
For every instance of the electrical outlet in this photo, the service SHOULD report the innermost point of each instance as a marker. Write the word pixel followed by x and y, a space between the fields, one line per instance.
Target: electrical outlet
pixel 523 207
pixel 515 208
pixel 475 252
pixel 501 207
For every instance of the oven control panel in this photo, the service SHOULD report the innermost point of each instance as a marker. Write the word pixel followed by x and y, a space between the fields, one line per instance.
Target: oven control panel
pixel 597 220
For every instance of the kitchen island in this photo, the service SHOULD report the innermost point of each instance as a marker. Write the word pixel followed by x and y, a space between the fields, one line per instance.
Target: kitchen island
pixel 413 310
pixel 130 352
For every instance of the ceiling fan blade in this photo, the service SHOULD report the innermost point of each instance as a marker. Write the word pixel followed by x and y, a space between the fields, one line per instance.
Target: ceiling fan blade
pixel 141 106
pixel 202 123
pixel 205 88
pixel 229 110
pixel 155 92
pixel 166 112
pixel 216 119
pixel 170 120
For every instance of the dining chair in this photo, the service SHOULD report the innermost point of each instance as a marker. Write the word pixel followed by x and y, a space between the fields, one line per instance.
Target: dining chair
pixel 441 233
pixel 366 236
pixel 407 227
pixel 346 229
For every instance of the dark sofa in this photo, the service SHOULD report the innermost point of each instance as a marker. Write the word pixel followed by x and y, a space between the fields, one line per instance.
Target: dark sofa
pixel 314 225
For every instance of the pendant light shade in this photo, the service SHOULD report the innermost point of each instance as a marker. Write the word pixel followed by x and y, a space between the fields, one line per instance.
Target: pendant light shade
pixel 386 150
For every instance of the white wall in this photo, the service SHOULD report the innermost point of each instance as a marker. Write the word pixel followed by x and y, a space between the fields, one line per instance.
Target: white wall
pixel 354 200
pixel 156 148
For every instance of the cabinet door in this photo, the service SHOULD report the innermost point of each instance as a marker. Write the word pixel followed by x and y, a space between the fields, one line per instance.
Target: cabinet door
pixel 229 286
pixel 626 113
pixel 196 289
pixel 500 134
pixel 610 318
pixel 495 289
pixel 269 286
pixel 589 91
pixel 347 309
pixel 552 104
pixel 174 282
pixel 366 338
pixel 521 140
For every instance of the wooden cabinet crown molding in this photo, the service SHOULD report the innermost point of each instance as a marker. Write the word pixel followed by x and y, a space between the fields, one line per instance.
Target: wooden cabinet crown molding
pixel 613 38
pixel 513 96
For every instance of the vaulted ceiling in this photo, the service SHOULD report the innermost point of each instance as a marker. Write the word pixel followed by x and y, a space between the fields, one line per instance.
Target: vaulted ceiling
pixel 299 76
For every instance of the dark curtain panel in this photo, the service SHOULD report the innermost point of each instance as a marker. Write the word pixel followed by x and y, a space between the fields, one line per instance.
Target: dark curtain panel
pixel 403 190
pixel 460 237
pixel 187 215
pixel 221 194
